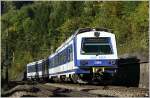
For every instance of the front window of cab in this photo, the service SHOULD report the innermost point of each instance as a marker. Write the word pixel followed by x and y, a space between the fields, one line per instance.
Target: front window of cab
pixel 96 46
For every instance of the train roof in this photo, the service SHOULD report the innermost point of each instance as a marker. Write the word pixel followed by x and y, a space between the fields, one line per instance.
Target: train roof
pixel 65 43
pixel 40 61
pixel 32 63
pixel 79 31
pixel 88 29
pixel 82 30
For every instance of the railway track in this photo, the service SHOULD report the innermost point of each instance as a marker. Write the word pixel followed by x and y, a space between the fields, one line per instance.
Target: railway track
pixel 41 90
pixel 24 88
pixel 109 90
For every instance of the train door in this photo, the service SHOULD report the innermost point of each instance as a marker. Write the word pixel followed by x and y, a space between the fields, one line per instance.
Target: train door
pixel 43 68
pixel 46 67
pixel 36 71
pixel 70 57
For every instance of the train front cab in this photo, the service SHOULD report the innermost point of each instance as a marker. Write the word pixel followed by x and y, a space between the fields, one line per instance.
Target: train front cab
pixel 96 55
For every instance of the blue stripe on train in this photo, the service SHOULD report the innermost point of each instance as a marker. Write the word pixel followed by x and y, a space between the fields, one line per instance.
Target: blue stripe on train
pixel 73 70
pixel 95 63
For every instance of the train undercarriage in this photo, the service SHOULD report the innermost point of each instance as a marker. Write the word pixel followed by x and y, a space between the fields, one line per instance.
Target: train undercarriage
pixel 97 74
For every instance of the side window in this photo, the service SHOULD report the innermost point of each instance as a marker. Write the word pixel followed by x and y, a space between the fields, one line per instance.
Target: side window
pixel 70 54
pixel 65 56
pixel 34 68
pixel 31 69
pixel 50 63
pixel 61 58
pixel 69 59
pixel 28 69
pixel 53 62
pixel 40 67
pixel 57 60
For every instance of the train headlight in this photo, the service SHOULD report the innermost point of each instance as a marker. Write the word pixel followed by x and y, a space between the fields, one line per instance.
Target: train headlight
pixel 113 62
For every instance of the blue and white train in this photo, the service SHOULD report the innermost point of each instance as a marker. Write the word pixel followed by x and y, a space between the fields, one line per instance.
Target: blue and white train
pixel 89 54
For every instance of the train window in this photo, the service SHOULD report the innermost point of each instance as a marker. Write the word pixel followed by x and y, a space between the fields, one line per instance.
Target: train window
pixel 56 60
pixel 50 63
pixel 65 56
pixel 40 67
pixel 28 69
pixel 71 54
pixel 61 58
pixel 98 46
pixel 53 62
pixel 31 68
pixel 70 58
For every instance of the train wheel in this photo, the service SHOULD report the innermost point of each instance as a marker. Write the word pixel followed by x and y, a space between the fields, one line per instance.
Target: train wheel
pixel 75 78
pixel 56 79
pixel 63 78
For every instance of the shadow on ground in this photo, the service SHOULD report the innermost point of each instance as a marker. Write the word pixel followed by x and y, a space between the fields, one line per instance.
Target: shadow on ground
pixel 128 72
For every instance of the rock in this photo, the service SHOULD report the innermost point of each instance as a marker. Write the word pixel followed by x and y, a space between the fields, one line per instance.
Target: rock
pixel 141 56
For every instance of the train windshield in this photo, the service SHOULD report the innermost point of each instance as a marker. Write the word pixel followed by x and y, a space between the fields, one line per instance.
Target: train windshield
pixel 96 46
